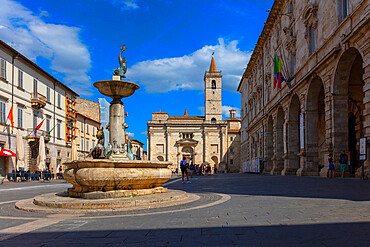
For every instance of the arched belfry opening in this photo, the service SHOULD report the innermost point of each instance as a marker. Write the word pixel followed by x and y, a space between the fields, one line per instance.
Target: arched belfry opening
pixel 213 84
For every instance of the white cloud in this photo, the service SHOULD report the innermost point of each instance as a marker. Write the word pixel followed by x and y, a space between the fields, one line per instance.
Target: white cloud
pixel 186 72
pixel 226 111
pixel 202 110
pixel 125 4
pixel 144 132
pixel 30 35
pixel 130 134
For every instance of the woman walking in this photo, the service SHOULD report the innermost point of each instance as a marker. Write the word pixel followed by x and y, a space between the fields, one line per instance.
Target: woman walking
pixel 331 166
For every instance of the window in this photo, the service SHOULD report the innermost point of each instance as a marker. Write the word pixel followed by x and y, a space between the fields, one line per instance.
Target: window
pixel 20 117
pixel 231 138
pixel 231 150
pixel 82 144
pixel 93 144
pixel 48 120
pixel 214 148
pixel 2 111
pixel 3 68
pixel 20 78
pixel 87 144
pixel 312 40
pixel 58 128
pixel 344 9
pixel 82 127
pixel 213 84
pixel 93 130
pixel 292 58
pixel 213 120
pixel 59 99
pixel 87 128
pixel 34 85
pixel 48 94
pixel 291 7
pixel 231 161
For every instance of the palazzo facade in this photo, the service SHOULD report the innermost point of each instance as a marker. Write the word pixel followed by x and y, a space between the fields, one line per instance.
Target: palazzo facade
pixel 200 139
pixel 324 105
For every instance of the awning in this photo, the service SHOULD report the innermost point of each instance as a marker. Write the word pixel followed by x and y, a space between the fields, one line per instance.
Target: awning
pixel 8 153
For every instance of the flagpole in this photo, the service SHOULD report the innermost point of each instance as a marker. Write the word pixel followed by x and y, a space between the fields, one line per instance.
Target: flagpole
pixel 288 72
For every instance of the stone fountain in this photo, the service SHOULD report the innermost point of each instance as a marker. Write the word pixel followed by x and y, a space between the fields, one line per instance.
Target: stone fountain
pixel 116 174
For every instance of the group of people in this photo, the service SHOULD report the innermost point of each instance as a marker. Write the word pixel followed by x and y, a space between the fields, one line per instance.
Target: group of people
pixel 187 168
pixel 24 175
pixel 343 161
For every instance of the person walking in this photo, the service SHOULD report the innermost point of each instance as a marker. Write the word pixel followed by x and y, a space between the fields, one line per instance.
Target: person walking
pixel 331 166
pixel 184 170
pixel 215 169
pixel 192 169
pixel 343 160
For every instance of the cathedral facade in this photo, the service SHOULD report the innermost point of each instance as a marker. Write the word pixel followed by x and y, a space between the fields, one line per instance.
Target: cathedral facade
pixel 202 140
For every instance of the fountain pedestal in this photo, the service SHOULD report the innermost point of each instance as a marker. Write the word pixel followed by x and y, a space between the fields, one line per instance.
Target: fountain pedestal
pixel 117 129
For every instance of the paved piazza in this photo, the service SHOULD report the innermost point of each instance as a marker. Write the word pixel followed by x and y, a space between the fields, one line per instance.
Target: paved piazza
pixel 233 210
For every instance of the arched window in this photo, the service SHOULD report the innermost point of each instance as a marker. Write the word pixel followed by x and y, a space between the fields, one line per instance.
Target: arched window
pixel 213 84
pixel 213 120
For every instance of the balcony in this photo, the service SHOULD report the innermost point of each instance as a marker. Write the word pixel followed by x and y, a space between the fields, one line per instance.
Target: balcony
pixel 38 100
pixel 33 135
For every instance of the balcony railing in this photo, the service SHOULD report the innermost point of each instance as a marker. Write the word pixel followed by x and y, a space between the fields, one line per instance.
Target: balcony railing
pixel 38 100
pixel 36 134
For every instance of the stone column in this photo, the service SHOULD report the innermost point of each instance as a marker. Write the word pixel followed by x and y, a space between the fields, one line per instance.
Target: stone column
pixel 166 134
pixel 205 157
pixel 328 130
pixel 366 114
pixel 117 128
pixel 302 153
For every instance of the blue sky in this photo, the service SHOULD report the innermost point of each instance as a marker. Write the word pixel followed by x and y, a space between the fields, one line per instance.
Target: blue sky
pixel 169 47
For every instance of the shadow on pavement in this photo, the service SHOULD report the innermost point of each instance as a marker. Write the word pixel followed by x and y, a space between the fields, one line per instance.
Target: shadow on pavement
pixel 338 234
pixel 288 186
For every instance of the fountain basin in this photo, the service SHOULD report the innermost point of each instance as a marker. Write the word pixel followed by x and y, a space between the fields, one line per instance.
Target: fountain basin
pixel 116 88
pixel 115 175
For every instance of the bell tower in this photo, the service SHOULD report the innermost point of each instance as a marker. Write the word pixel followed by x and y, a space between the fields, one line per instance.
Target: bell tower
pixel 213 89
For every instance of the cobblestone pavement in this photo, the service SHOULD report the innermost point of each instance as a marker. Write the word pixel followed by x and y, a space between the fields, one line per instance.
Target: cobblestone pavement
pixel 233 210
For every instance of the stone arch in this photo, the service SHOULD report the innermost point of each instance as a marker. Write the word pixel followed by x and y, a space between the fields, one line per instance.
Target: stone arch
pixel 269 145
pixel 315 127
pixel 213 84
pixel 279 143
pixel 214 161
pixel 291 164
pixel 213 120
pixel 348 106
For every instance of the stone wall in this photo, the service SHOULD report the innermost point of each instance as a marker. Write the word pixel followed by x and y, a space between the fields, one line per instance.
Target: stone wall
pixel 88 108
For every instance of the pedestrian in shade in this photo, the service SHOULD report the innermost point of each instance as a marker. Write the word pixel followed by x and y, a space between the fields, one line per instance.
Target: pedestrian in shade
pixel 343 160
pixel 331 166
